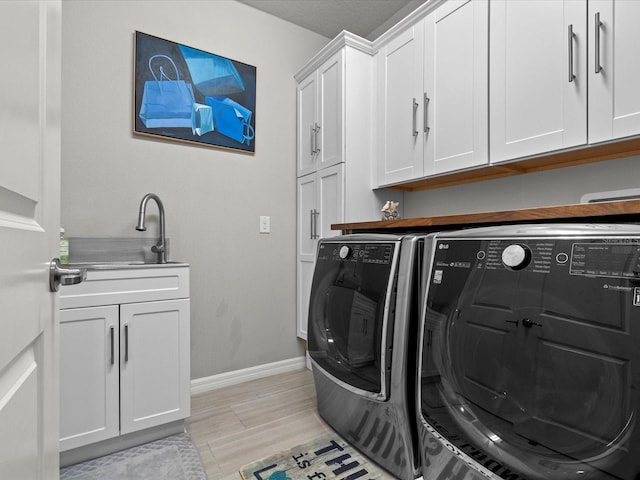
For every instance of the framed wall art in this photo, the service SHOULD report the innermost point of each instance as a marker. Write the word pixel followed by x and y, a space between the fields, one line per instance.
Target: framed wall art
pixel 189 95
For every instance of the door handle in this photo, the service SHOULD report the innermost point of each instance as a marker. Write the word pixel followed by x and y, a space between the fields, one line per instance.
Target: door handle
pixel 113 345
pixel 59 275
pixel 426 117
pixel 126 342
pixel 570 37
pixel 315 133
pixel 598 25
pixel 414 128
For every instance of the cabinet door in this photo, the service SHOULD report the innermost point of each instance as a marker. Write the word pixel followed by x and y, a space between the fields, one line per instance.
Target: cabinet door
pixel 400 141
pixel 320 204
pixel 306 245
pixel 330 199
pixel 456 86
pixel 89 365
pixel 307 123
pixel 330 114
pixel 538 87
pixel 155 364
pixel 614 69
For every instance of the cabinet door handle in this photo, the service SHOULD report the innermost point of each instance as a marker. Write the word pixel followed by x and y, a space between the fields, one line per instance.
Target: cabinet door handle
pixel 126 342
pixel 426 120
pixel 311 234
pixel 598 25
pixel 312 141
pixel 414 129
pixel 314 224
pixel 316 131
pixel 112 333
pixel 570 37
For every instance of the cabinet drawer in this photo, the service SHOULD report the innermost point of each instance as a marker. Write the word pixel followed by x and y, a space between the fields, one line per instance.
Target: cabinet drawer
pixel 110 287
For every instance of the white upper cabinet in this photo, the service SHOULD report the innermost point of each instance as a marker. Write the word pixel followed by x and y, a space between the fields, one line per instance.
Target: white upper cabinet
pixel 320 107
pixel 538 71
pixel 432 94
pixel 456 104
pixel 614 67
pixel 399 142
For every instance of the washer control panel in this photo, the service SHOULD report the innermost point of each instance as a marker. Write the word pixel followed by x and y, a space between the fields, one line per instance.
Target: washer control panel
pixel 599 257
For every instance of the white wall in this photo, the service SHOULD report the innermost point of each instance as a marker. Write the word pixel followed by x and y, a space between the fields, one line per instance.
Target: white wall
pixel 242 282
pixel 551 187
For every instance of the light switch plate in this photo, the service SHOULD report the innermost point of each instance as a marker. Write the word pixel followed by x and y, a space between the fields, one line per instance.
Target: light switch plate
pixel 265 224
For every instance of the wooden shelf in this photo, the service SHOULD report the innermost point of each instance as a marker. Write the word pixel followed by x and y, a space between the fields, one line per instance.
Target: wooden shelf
pixel 578 156
pixel 624 211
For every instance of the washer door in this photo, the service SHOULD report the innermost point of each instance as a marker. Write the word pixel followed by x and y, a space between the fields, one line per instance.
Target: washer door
pixel 537 369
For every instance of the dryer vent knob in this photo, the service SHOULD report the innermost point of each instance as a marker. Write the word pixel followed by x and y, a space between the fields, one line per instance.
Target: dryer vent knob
pixel 516 256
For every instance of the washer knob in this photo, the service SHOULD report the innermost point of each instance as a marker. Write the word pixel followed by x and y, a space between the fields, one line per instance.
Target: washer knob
pixel 344 252
pixel 516 256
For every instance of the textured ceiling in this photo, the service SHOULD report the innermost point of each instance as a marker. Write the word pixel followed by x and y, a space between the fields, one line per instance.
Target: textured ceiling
pixel 330 17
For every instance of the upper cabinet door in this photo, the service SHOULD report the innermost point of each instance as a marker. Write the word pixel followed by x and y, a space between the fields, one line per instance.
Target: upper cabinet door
pixel 538 71
pixel 329 128
pixel 456 87
pixel 399 134
pixel 614 66
pixel 307 107
pixel 320 117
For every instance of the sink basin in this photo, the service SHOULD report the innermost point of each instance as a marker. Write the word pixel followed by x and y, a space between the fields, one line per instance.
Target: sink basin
pixel 123 264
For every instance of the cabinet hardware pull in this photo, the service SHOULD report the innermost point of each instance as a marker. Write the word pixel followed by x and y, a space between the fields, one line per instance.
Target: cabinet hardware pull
pixel 414 106
pixel 312 141
pixel 126 342
pixel 426 120
pixel 316 131
pixel 311 235
pixel 314 224
pixel 113 360
pixel 570 36
pixel 598 24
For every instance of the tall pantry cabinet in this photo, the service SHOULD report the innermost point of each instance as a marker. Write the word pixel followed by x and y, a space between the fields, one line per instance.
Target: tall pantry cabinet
pixel 334 125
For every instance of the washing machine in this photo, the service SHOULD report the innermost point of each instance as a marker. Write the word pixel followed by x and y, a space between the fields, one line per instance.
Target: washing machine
pixel 530 354
pixel 362 341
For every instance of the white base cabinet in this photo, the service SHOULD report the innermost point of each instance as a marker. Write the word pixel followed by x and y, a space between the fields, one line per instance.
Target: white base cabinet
pixel 125 367
pixel 89 375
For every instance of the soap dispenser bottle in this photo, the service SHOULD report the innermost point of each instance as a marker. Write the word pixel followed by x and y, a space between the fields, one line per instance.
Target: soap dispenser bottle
pixel 64 248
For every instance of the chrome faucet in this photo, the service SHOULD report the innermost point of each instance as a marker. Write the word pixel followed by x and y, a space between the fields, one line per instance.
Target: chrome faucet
pixel 161 247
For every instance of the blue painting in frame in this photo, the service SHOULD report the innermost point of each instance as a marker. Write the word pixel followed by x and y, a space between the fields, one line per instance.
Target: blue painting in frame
pixel 189 95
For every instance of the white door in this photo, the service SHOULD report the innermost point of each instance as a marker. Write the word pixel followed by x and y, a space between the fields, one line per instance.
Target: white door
pixel 307 123
pixel 614 69
pixel 306 244
pixel 538 77
pixel 400 96
pixel 456 86
pixel 89 375
pixel 330 127
pixel 154 364
pixel 30 39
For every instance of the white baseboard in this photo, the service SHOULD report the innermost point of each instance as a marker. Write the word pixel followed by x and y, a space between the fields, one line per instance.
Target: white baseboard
pixel 214 382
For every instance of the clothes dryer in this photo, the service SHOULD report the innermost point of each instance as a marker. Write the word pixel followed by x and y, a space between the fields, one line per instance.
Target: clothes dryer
pixel 530 354
pixel 363 330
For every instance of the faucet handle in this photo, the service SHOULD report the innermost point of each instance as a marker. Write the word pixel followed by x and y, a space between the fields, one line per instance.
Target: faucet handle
pixel 158 248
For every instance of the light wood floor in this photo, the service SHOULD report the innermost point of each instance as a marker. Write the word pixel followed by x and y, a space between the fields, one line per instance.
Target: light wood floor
pixel 235 425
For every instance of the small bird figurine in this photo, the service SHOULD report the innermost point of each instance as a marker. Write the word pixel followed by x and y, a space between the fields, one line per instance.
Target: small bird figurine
pixel 389 211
